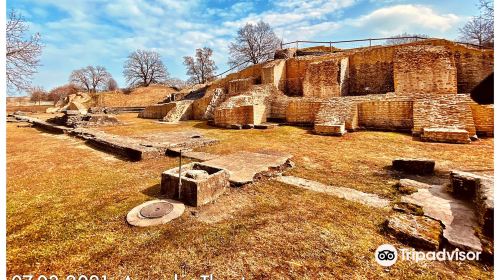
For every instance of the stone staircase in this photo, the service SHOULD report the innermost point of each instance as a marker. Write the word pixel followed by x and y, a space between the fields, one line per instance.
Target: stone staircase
pixel 182 111
pixel 217 98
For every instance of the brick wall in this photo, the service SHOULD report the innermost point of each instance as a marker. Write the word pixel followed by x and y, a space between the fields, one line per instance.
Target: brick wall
pixel 397 115
pixel 324 79
pixel 424 69
pixel 371 71
pixel 443 111
pixel 484 118
pixel 341 110
pixel 240 85
pixel 156 111
pixel 274 73
pixel 302 110
pixel 246 114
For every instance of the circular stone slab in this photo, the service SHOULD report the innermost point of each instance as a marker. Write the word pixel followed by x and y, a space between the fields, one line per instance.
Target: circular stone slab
pixel 155 212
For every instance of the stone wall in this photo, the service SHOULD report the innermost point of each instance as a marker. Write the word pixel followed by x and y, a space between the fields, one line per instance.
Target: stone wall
pixel 156 111
pixel 484 118
pixel 239 86
pixel 443 111
pixel 302 110
pixel 324 79
pixel 246 114
pixel 371 71
pixel 473 64
pixel 424 69
pixel 390 115
pixel 338 111
pixel 274 73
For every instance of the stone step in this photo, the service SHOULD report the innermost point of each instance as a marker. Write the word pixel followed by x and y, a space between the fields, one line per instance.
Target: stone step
pixel 445 135
pixel 479 190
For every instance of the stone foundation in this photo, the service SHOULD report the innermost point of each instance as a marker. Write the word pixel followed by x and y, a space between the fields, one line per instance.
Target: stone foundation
pixel 200 184
pixel 445 135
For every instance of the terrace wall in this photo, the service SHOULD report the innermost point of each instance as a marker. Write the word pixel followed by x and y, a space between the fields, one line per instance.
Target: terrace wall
pixel 390 115
pixel 424 69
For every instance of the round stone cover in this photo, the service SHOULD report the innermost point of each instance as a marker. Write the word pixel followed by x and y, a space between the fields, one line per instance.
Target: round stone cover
pixel 155 212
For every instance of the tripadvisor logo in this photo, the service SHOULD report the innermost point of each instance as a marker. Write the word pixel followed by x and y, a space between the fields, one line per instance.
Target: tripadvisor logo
pixel 387 255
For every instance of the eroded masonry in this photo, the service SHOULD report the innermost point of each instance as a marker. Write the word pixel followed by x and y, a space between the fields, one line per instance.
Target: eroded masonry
pixel 421 87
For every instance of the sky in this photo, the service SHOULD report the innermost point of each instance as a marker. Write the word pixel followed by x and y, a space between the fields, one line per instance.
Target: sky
pixel 78 33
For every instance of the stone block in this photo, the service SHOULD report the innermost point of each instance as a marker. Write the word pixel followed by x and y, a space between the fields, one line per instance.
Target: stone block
pixel 414 165
pixel 330 129
pixel 417 231
pixel 445 135
pixel 247 126
pixel 200 184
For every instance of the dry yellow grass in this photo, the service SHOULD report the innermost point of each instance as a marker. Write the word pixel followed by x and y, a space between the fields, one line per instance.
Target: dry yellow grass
pixel 66 207
pixel 142 96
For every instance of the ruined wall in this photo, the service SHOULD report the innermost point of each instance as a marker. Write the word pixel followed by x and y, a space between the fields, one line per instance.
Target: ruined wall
pixel 424 69
pixel 484 118
pixel 239 86
pixel 246 114
pixel 391 115
pixel 473 64
pixel 371 71
pixel 279 105
pixel 156 111
pixel 443 111
pixel 324 79
pixel 302 110
pixel 338 111
pixel 274 73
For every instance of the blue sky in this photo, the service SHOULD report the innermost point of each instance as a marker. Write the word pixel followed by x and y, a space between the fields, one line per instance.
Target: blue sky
pixel 77 33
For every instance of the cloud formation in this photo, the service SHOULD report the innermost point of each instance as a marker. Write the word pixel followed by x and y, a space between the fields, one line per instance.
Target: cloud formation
pixel 98 32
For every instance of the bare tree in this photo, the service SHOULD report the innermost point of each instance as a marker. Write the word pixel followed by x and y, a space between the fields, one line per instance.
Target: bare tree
pixel 111 85
pixel 90 78
pixel 23 54
pixel 143 68
pixel 61 92
pixel 486 7
pixel 254 44
pixel 478 31
pixel 404 38
pixel 200 68
pixel 176 83
pixel 38 94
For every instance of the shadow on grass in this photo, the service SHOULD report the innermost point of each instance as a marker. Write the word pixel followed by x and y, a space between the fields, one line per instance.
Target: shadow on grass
pixel 154 191
pixel 439 177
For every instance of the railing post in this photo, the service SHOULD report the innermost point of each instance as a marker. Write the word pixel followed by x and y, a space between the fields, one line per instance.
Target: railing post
pixel 297 44
pixel 330 46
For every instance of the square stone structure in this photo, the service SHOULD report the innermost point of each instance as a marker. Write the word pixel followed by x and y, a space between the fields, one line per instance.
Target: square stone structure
pixel 326 79
pixel 194 191
pixel 424 69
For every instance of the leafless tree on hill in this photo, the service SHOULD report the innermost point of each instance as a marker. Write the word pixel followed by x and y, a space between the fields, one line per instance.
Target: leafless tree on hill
pixel 400 39
pixel 90 78
pixel 143 68
pixel 22 53
pixel 480 29
pixel 38 94
pixel 254 43
pixel 176 83
pixel 61 92
pixel 200 68
pixel 111 85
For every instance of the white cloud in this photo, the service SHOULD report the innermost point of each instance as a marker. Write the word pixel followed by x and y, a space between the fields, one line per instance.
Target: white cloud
pixel 405 18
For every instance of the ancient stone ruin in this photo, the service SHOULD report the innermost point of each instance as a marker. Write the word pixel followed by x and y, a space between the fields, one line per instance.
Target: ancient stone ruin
pixel 421 87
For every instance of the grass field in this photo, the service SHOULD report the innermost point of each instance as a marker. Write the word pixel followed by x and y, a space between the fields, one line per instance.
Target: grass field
pixel 66 208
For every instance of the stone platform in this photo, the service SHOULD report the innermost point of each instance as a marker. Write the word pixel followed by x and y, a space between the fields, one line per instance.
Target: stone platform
pixel 244 167
pixel 445 135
